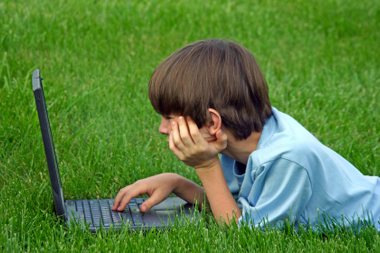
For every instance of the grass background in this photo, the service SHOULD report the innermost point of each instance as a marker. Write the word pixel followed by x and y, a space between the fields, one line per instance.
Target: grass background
pixel 320 58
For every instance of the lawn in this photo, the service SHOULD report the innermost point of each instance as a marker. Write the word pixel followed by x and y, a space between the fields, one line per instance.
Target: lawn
pixel 320 59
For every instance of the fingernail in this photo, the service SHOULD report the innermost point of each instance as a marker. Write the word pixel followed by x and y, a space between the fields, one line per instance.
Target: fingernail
pixel 220 133
pixel 143 208
pixel 173 123
pixel 181 118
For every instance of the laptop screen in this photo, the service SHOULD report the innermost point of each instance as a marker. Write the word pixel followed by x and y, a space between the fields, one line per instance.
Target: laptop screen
pixel 47 137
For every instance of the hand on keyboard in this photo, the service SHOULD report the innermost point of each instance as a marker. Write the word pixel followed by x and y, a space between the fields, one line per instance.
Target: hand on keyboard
pixel 157 187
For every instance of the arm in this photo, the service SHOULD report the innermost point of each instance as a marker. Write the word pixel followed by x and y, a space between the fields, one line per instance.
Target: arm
pixel 222 203
pixel 190 191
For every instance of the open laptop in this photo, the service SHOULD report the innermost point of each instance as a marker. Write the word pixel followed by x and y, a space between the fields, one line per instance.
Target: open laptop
pixel 96 213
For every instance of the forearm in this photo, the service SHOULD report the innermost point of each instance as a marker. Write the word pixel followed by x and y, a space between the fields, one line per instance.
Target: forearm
pixel 222 203
pixel 189 191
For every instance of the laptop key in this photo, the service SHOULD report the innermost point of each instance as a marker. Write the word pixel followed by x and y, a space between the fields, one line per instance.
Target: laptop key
pixel 95 211
pixel 134 207
pixel 115 216
pixel 105 212
pixel 70 203
pixel 79 205
pixel 137 218
pixel 126 217
pixel 136 214
pixel 139 201
pixel 86 210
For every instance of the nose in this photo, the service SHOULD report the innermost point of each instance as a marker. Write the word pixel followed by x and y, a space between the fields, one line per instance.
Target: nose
pixel 164 126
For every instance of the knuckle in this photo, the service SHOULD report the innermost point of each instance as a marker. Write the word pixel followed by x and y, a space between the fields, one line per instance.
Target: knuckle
pixel 193 153
pixel 185 138
pixel 140 184
pixel 194 133
pixel 177 142
pixel 201 149
pixel 181 157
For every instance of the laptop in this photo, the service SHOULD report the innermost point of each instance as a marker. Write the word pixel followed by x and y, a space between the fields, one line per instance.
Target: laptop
pixel 96 214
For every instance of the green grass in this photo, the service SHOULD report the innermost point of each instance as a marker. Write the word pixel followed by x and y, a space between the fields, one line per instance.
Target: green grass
pixel 320 58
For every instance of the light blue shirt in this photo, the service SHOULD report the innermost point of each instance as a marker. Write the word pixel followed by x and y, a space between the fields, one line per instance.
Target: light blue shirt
pixel 292 176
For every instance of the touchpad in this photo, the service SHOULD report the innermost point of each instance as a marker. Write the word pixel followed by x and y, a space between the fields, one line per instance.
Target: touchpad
pixel 169 204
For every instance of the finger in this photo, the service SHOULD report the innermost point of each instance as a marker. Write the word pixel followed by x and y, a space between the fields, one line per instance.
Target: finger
pixel 177 140
pixel 195 133
pixel 119 197
pixel 176 151
pixel 184 132
pixel 153 200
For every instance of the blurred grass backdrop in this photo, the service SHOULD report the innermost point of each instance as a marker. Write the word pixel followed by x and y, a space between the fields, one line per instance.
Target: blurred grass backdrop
pixel 320 58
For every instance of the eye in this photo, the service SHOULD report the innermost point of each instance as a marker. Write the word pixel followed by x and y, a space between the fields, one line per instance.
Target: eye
pixel 168 118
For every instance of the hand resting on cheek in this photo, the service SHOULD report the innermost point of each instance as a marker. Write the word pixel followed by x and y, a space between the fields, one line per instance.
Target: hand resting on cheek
pixel 190 146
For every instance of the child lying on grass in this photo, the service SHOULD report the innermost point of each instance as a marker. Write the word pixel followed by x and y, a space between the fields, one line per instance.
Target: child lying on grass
pixel 214 100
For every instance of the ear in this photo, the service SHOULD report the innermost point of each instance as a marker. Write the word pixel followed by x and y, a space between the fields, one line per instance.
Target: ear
pixel 215 122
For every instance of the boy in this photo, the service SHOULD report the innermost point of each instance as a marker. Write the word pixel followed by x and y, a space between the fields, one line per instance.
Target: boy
pixel 214 100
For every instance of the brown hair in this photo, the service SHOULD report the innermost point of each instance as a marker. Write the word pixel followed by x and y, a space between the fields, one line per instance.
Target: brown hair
pixel 217 74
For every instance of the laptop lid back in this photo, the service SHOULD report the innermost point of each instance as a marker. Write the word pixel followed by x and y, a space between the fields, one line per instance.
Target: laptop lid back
pixel 47 137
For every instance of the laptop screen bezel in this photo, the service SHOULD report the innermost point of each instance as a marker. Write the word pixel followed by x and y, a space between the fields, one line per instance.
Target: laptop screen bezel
pixel 55 179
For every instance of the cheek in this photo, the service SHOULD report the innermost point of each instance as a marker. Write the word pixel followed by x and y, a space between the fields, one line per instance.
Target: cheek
pixel 161 129
pixel 168 125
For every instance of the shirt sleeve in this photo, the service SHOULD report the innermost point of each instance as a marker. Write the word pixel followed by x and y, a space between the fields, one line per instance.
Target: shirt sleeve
pixel 274 192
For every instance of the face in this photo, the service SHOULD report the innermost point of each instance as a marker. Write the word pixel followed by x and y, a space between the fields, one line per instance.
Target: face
pixel 166 127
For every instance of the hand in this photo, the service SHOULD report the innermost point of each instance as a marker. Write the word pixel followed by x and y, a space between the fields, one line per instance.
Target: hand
pixel 189 145
pixel 157 187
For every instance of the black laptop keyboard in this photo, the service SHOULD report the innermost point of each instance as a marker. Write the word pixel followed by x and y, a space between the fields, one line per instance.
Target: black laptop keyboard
pixel 96 212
